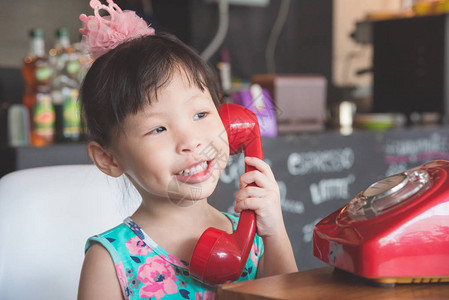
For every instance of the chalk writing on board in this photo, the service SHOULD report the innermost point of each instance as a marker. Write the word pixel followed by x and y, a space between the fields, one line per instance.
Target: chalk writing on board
pixel 333 160
pixel 403 154
pixel 407 147
pixel 236 167
pixel 331 189
pixel 289 205
pixel 307 230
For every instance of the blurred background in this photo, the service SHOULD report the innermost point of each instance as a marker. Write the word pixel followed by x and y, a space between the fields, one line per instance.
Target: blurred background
pixel 346 91
pixel 315 36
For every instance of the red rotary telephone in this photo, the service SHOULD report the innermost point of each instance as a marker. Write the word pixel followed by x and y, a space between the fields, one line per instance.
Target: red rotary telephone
pixel 395 231
pixel 219 257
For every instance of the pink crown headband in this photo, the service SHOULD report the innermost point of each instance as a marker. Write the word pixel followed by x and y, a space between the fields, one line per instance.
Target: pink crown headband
pixel 102 34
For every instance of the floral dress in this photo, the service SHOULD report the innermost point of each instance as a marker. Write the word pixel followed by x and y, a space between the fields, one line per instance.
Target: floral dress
pixel 146 271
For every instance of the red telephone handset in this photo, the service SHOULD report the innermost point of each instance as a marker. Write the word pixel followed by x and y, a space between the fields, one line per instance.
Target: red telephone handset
pixel 219 257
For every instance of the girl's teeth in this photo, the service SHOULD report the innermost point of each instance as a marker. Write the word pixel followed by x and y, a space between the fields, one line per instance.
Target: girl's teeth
pixel 193 170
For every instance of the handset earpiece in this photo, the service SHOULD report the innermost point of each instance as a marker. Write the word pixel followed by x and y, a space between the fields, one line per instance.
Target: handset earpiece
pixel 220 257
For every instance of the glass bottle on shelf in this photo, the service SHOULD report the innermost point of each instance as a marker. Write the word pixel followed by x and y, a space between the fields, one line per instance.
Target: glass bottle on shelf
pixel 65 86
pixel 37 74
pixel 85 63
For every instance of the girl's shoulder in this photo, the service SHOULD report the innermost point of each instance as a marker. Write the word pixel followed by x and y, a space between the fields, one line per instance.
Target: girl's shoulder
pixel 129 245
pixel 145 270
pixel 117 230
pixel 98 276
pixel 111 237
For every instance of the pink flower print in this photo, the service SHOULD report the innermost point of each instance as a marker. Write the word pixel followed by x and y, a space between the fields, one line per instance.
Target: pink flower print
pixel 198 296
pixel 120 270
pixel 136 246
pixel 255 254
pixel 208 295
pixel 158 278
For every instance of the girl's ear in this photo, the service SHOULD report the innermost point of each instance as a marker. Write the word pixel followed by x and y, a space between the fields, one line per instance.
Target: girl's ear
pixel 104 160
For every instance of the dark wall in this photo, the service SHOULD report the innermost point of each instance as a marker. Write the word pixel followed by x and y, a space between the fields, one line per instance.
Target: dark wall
pixel 11 85
pixel 304 46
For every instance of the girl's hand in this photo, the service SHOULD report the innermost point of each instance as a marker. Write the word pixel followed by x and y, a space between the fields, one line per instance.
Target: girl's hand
pixel 263 199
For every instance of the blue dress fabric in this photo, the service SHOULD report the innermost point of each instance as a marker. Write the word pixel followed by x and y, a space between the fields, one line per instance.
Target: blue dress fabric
pixel 147 271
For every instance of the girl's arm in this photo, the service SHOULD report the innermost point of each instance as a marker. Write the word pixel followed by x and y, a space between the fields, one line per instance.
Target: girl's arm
pixel 264 199
pixel 278 257
pixel 98 276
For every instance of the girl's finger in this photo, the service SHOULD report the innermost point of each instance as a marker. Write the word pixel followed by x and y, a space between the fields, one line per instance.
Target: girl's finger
pixel 256 177
pixel 260 165
pixel 249 203
pixel 250 192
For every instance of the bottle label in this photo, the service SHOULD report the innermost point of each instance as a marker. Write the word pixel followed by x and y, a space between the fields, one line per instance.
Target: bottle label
pixel 73 67
pixel 43 72
pixel 44 116
pixel 72 114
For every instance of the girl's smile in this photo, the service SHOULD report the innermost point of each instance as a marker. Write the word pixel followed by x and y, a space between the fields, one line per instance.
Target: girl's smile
pixel 197 173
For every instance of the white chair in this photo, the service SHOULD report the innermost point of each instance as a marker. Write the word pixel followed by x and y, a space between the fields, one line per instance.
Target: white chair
pixel 46 216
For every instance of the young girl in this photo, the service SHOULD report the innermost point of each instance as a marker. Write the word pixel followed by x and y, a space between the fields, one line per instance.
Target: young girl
pixel 151 108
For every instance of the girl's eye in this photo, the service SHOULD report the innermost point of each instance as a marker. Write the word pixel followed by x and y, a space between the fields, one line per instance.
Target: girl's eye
pixel 157 130
pixel 200 115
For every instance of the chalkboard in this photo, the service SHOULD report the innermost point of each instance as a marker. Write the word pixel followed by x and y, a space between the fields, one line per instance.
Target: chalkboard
pixel 319 173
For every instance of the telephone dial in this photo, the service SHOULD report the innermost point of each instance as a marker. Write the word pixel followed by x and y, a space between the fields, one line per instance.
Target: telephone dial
pixel 395 231
pixel 220 257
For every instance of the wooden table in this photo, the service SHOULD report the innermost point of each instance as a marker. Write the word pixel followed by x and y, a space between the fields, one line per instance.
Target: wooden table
pixel 327 283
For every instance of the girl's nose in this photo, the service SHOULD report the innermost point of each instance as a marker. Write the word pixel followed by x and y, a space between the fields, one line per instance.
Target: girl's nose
pixel 188 140
pixel 189 146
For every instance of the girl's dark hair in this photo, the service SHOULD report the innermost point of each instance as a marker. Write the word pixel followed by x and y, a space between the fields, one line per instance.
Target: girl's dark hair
pixel 121 81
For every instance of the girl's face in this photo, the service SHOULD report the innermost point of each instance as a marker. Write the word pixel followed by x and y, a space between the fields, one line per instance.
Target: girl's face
pixel 175 148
